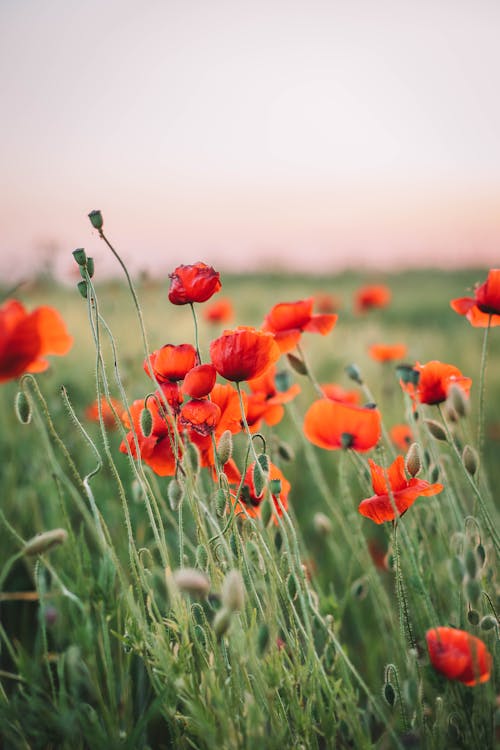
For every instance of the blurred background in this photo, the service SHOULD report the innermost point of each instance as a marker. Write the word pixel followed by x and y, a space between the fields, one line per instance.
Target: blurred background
pixel 264 135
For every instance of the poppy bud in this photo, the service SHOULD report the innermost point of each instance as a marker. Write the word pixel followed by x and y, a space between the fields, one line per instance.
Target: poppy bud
pixel 481 554
pixel 146 421
pixel 220 502
pixel 434 473
pixel 354 373
pixel 225 447
pixel 222 622
pixel 408 374
pixel 23 408
pixel 175 494
pixel 275 487
pixel 450 413
pixel 359 589
pixel 43 542
pixel 297 364
pixel 389 694
pixel 90 267
pixel 80 256
pixel 473 616
pixel 470 460
pixel 266 511
pixel 192 581
pixel 193 455
pixel 473 590
pixel 291 586
pixel 82 288
pixel 96 219
pixel 437 430
pixel 259 479
pixel 322 524
pixel 233 591
pixel 413 460
pixel 457 569
pixel 201 556
pixel 488 622
pixel 286 452
pixel 471 563
pixel 458 400
pixel 262 639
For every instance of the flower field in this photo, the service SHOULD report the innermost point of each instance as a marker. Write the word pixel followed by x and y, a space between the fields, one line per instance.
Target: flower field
pixel 250 512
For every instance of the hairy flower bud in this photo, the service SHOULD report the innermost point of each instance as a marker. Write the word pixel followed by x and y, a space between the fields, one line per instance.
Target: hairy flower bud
pixel 233 591
pixel 146 422
pixel 45 541
pixel 192 582
pixel 175 493
pixel 470 459
pixel 413 460
pixel 23 408
pixel 297 364
pixel 225 447
pixel 436 429
pixel 458 400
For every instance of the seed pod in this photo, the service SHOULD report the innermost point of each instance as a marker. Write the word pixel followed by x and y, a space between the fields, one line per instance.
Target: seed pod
pixel 389 694
pixel 175 494
pixel 80 256
pixel 45 541
pixel 90 267
pixel 322 524
pixel 297 364
pixel 96 219
pixel 222 622
pixel 436 429
pixel 413 460
pixel 470 459
pixel 192 581
pixel 146 422
pixel 262 639
pixel 275 487
pixel 286 452
pixel 473 616
pixel 488 622
pixel 225 447
pixel 458 399
pixel 233 591
pixel 82 288
pixel 354 373
pixel 23 408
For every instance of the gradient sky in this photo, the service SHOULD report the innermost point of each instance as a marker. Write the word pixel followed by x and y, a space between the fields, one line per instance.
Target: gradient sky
pixel 308 135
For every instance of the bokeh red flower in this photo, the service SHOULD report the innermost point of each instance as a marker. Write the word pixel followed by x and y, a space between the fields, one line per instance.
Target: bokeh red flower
pixel 27 338
pixel 458 655
pixel 379 507
pixel 387 352
pixel 434 381
pixel 484 308
pixel 193 283
pixel 336 392
pixel 252 502
pixel 287 320
pixel 220 311
pixel 244 353
pixel 402 436
pixel 327 303
pixel 333 425
pixel 156 449
pixel 92 411
pixel 265 401
pixel 372 296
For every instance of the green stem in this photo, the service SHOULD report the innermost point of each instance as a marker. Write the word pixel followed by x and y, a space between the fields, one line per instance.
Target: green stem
pixel 482 375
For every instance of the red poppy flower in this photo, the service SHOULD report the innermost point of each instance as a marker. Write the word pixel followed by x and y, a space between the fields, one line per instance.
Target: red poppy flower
pixel 244 353
pixel 459 655
pixel 404 491
pixel 326 303
pixel 369 297
pixel 333 425
pixel 199 381
pixel 387 352
pixel 195 283
pixel 199 415
pixel 172 393
pixel 287 320
pixel 435 380
pixel 402 436
pixel 155 450
pixel 252 502
pixel 26 338
pixel 266 402
pixel 336 393
pixel 484 304
pixel 220 311
pixel 92 412
pixel 171 362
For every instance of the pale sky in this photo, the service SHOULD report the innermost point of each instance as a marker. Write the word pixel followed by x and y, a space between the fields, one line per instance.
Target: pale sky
pixel 308 135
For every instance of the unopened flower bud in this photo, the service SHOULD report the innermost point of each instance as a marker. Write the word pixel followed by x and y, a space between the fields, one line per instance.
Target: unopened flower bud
pixel 222 622
pixel 96 219
pixel 286 452
pixel 389 694
pixel 175 494
pixel 225 447
pixel 488 622
pixel 259 479
pixel 220 502
pixel 473 590
pixel 408 374
pixel 192 581
pixel 458 399
pixel 193 455
pixel 457 569
pixel 297 364
pixel 481 554
pixel 413 460
pixel 82 288
pixel 282 381
pixel 434 473
pixel 470 460
pixel 471 563
pixel 291 586
pixel 322 524
pixel 275 487
pixel 23 408
pixel 436 429
pixel 354 373
pixel 90 267
pixel 266 512
pixel 45 541
pixel 359 588
pixel 473 616
pixel 233 591
pixel 80 256
pixel 146 421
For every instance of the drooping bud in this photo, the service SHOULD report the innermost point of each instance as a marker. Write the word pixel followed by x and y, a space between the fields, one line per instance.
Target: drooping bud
pixel 457 569
pixel 45 541
pixel 23 408
pixel 488 622
pixel 437 430
pixel 297 364
pixel 458 400
pixel 96 219
pixel 80 256
pixel 322 524
pixel 233 591
pixel 389 694
pixel 175 494
pixel 146 421
pixel 413 460
pixel 473 616
pixel 286 452
pixel 473 590
pixel 225 447
pixel 259 479
pixel 192 581
pixel 481 554
pixel 354 373
pixel 470 459
pixel 82 288
pixel 471 563
pixel 222 622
